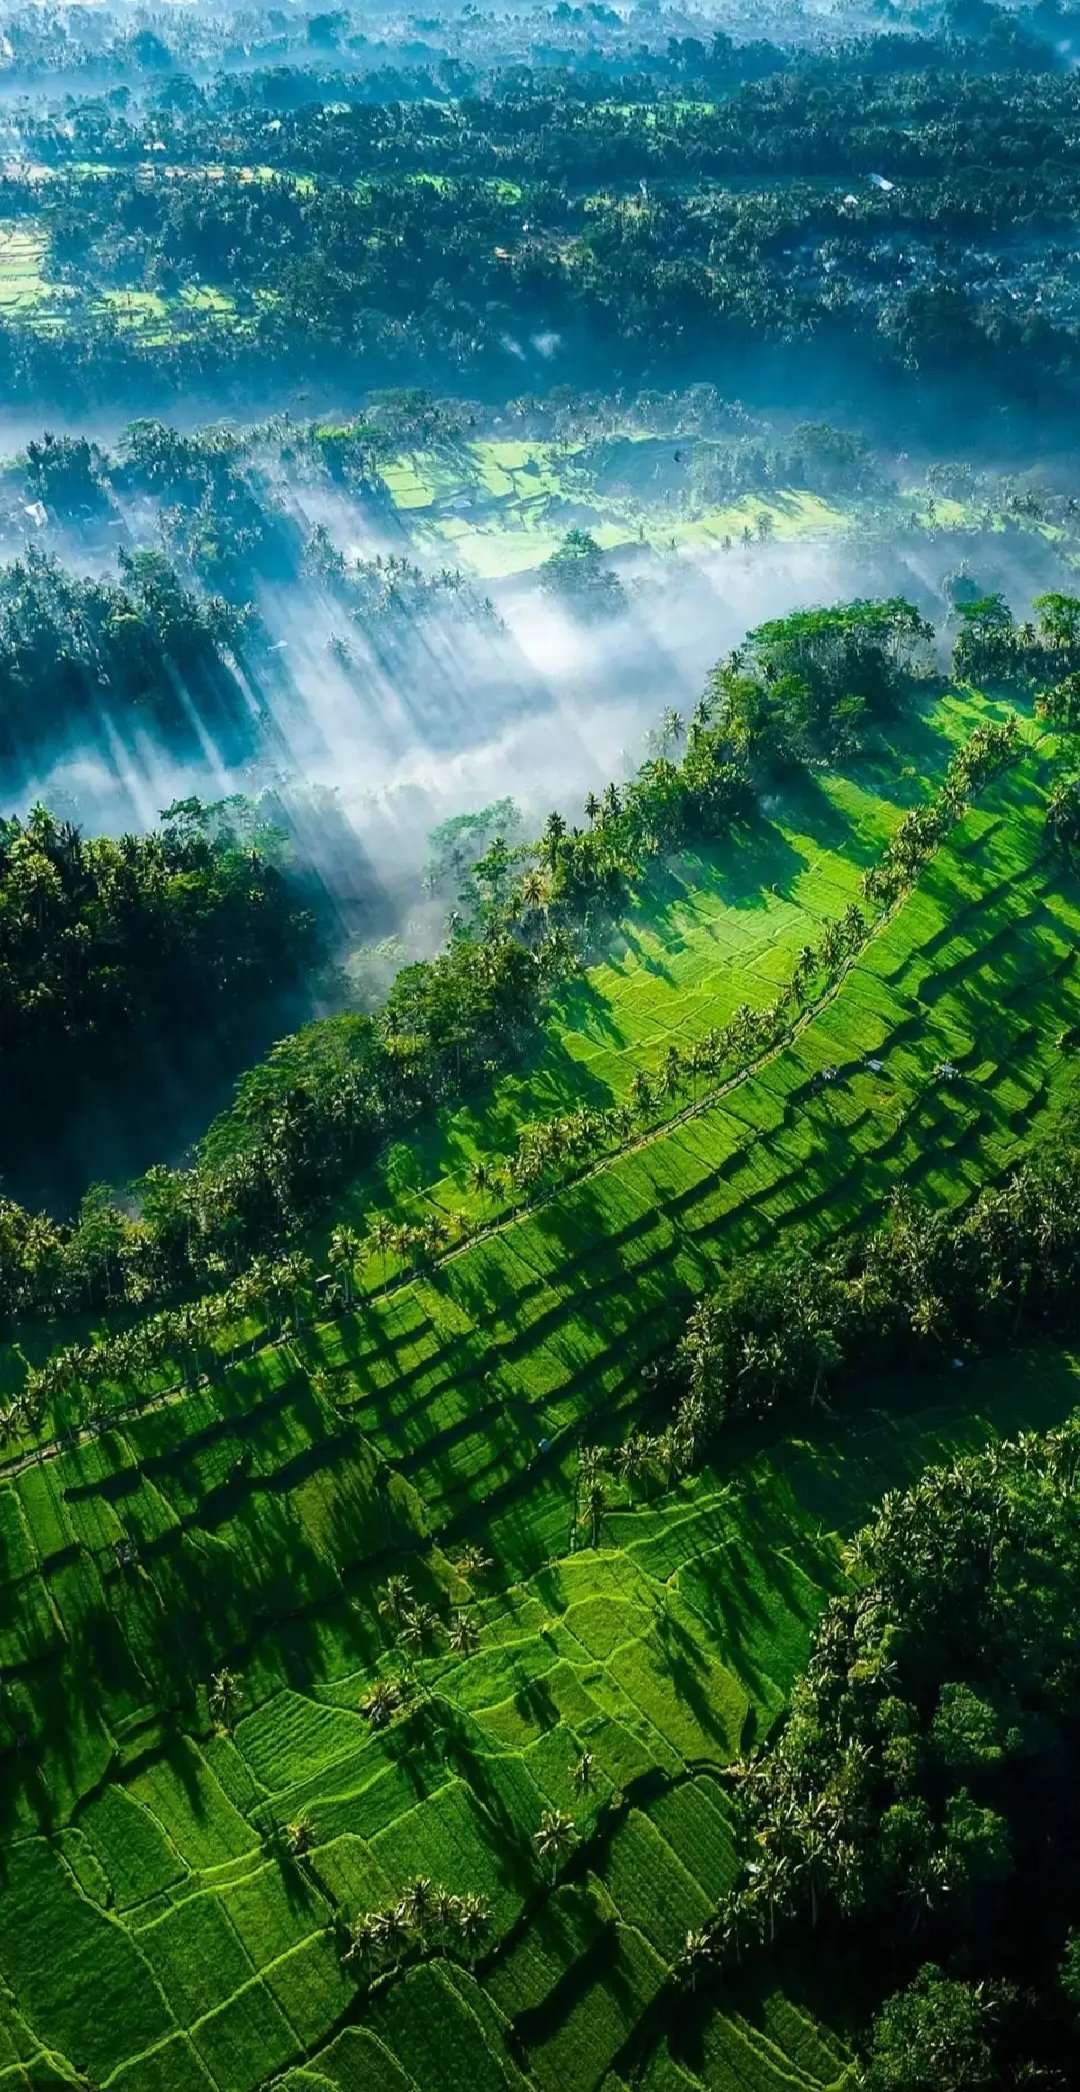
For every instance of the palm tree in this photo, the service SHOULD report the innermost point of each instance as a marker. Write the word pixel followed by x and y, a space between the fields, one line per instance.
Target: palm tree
pixel 473 1919
pixel 641 1091
pixel 393 1930
pixel 225 1696
pixel 444 1910
pixel 594 1504
pixel 671 728
pixel 583 1772
pixel 343 1257
pixel 298 1837
pixel 555 1838
pixel 380 1703
pixel 363 1940
pixel 698 1954
pixel 464 1635
pixel 472 1562
pixel 382 1231
pixel 396 1600
pixel 551 842
pixel 534 890
pixel 294 1275
pixel 419 1901
pixel 418 1627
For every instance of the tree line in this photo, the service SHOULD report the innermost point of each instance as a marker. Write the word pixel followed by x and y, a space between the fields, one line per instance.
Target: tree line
pixel 326 1097
pixel 112 951
pixel 918 1806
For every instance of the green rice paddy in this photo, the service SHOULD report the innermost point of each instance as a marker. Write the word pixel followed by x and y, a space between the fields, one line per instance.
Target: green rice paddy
pixel 504 506
pixel 252 1522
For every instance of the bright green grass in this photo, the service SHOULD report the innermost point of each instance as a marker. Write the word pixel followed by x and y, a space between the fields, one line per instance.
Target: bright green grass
pixel 504 505
pixel 663 1652
pixel 267 1510
pixel 708 931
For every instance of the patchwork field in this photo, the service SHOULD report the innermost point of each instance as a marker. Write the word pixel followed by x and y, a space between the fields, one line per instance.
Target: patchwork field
pixel 503 506
pixel 142 1849
pixel 194 1855
pixel 708 932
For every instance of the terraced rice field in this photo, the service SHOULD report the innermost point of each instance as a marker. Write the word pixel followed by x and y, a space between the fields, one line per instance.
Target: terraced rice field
pixel 504 506
pixel 139 1850
pixel 707 932
pixel 25 292
pixel 30 297
pixel 253 1521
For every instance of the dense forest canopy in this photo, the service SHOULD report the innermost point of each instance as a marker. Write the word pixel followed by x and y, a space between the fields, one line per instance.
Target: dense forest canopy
pixel 539 1046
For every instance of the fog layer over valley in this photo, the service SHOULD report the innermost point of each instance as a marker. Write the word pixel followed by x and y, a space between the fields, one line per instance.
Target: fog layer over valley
pixel 362 629
pixel 539 1046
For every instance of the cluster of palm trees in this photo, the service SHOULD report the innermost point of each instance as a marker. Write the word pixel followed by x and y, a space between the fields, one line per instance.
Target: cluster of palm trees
pixel 426 1920
pixel 279 1290
pixel 416 1247
pixel 416 1629
pixel 983 754
pixel 1063 815
pixel 641 1458
pixel 446 1022
pixel 925 1286
pixel 547 1147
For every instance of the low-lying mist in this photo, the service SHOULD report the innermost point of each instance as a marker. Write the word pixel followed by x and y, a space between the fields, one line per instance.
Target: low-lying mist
pixel 365 693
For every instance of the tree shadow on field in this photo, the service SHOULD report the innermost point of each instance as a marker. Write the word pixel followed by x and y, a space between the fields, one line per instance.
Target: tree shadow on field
pixel 510 1851
pixel 688 1669
pixel 600 1967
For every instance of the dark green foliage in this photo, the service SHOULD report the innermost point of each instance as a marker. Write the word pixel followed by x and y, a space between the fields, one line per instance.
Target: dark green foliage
pixel 992 649
pixel 578 576
pixel 74 651
pixel 925 1287
pixel 936 2036
pixel 304 1116
pixel 1063 814
pixel 110 948
pixel 807 685
pixel 923 1788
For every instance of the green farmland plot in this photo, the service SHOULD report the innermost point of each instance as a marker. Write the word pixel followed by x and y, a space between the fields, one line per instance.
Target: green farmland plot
pixel 707 932
pixel 199 1863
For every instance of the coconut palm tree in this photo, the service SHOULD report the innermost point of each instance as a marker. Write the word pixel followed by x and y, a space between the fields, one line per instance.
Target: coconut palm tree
pixel 419 1902
pixel 225 1696
pixel 583 1772
pixel 343 1257
pixel 298 1837
pixel 555 1838
pixel 363 1941
pixel 641 1090
pixel 535 891
pixel 464 1635
pixel 593 1506
pixel 698 1954
pixel 381 1232
pixel 380 1703
pixel 473 1918
pixel 393 1930
pixel 418 1627
pixel 396 1600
